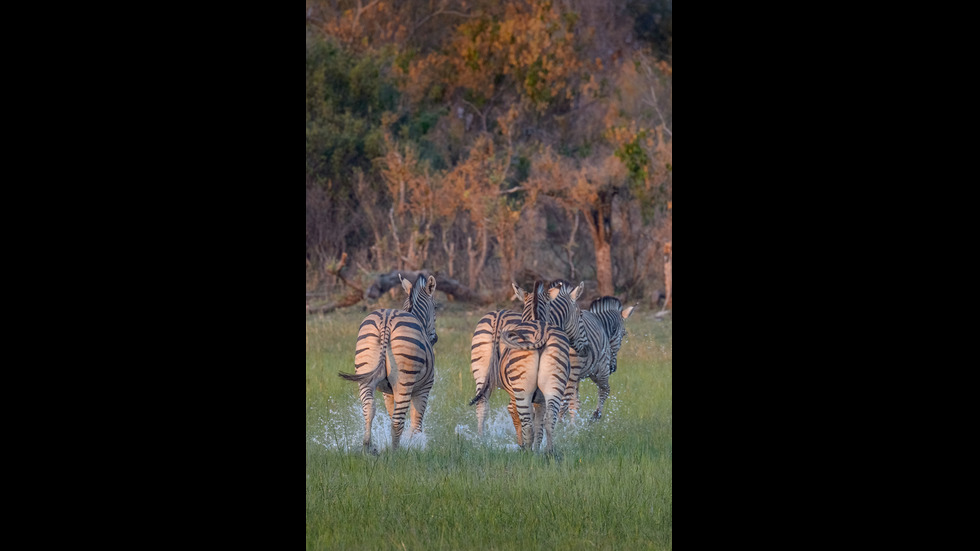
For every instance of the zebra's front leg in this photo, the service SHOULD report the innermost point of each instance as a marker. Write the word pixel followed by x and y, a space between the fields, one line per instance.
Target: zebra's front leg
pixel 603 384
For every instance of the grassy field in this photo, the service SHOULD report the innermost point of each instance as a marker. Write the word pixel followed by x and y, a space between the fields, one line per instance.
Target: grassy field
pixel 609 486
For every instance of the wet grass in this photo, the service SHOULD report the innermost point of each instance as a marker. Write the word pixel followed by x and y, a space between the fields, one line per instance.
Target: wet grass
pixel 609 485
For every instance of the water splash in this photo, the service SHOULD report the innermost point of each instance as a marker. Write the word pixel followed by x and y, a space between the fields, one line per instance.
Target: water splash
pixel 343 429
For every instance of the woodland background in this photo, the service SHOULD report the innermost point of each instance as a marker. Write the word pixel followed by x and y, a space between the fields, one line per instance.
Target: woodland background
pixel 489 141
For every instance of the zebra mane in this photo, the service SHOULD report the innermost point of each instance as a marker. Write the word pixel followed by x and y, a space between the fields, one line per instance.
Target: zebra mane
pixel 415 295
pixel 606 304
pixel 560 283
pixel 536 303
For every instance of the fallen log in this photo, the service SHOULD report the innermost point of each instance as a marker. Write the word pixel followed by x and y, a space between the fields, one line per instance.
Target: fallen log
pixel 453 288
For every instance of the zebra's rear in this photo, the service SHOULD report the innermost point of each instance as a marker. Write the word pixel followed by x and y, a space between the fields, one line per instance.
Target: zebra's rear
pixel 485 355
pixel 535 371
pixel 393 353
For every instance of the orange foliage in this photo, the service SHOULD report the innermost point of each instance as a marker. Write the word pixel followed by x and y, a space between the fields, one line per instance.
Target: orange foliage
pixel 367 24
pixel 531 45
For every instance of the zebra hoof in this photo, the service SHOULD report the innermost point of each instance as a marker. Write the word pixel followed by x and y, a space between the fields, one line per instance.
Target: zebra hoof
pixel 596 415
pixel 371 450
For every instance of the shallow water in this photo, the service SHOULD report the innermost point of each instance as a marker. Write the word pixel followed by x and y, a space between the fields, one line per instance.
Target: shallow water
pixel 341 426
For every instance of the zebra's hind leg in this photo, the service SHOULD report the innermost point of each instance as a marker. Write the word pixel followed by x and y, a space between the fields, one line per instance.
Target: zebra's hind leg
pixel 367 406
pixel 512 408
pixel 389 403
pixel 482 407
pixel 418 411
pixel 538 422
pixel 524 407
pixel 402 401
pixel 550 412
pixel 570 403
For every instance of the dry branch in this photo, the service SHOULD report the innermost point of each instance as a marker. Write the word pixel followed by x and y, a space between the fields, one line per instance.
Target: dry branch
pixel 336 272
pixel 351 299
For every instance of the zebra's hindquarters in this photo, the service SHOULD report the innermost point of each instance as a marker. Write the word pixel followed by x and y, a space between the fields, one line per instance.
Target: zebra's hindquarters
pixel 370 372
pixel 552 380
pixel 485 356
pixel 535 373
pixel 393 354
pixel 410 372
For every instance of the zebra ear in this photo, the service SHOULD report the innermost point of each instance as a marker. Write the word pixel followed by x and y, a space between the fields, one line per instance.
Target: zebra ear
pixel 430 285
pixel 518 292
pixel 553 292
pixel 405 284
pixel 627 312
pixel 577 292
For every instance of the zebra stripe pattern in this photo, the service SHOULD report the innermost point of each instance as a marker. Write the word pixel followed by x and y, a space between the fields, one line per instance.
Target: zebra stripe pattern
pixel 612 316
pixel 591 352
pixel 393 354
pixel 534 371
pixel 485 358
pixel 485 353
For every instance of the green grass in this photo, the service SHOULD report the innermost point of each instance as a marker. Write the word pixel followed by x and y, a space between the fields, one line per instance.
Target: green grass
pixel 609 486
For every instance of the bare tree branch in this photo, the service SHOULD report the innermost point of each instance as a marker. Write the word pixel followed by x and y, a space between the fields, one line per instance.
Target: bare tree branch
pixel 336 272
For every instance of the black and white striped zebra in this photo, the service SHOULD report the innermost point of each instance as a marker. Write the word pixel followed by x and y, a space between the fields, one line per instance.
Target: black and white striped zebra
pixel 534 371
pixel 591 352
pixel 394 354
pixel 485 355
pixel 612 316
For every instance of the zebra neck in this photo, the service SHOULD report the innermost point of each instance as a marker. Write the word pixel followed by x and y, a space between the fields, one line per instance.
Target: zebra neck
pixel 579 340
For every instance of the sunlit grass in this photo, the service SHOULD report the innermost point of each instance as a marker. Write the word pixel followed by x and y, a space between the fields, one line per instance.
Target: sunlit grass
pixel 608 487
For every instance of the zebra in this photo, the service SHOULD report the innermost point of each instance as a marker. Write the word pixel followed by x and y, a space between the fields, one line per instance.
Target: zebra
pixel 591 352
pixel 613 316
pixel 394 354
pixel 485 356
pixel 534 371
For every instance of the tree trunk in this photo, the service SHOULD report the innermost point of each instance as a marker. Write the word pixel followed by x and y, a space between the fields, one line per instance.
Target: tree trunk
pixel 476 256
pixel 599 221
pixel 668 257
pixel 603 267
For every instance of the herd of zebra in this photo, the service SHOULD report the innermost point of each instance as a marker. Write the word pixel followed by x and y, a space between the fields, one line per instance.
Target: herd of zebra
pixel 538 356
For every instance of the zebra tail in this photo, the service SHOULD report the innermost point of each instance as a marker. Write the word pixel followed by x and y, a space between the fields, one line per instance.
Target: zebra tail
pixel 379 370
pixel 483 392
pixel 493 369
